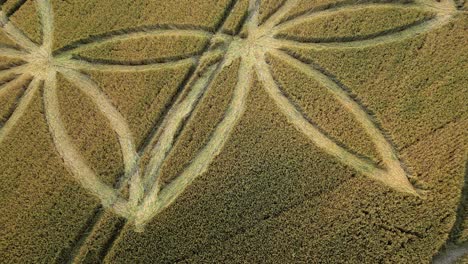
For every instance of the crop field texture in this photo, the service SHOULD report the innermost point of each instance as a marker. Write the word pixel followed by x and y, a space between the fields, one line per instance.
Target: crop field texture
pixel 233 131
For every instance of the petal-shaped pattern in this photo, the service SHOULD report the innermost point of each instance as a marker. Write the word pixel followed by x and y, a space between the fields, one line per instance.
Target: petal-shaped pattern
pixel 171 125
pixel 146 47
pixel 155 203
pixel 119 125
pixel 197 130
pixel 394 175
pixel 90 132
pixel 116 120
pixel 130 38
pixel 392 37
pixel 304 7
pixel 134 16
pixel 352 23
pixel 73 160
pixel 322 108
pixel 442 16
pixel 143 97
pixel 15 34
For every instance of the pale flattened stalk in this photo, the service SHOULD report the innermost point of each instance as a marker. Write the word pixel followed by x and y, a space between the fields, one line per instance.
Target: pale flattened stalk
pixel 18 80
pixel 252 20
pixel 13 71
pixel 46 16
pixel 22 105
pixel 12 53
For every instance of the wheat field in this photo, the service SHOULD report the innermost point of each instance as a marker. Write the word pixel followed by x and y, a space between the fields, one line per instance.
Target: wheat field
pixel 233 131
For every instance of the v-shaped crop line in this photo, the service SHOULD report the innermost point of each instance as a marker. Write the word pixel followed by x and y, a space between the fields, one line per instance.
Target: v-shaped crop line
pixel 11 84
pixel 116 120
pixel 278 16
pixel 22 105
pixel 393 175
pixel 172 123
pixel 156 203
pixel 74 161
pixel 15 34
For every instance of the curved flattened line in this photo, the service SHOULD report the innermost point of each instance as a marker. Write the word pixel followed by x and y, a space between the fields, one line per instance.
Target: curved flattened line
pixel 11 65
pixel 173 123
pixel 94 41
pixel 71 157
pixel 12 53
pixel 21 107
pixel 302 124
pixel 408 33
pixel 47 21
pixel 166 59
pixel 116 120
pixel 395 176
pixel 4 80
pixel 352 38
pixel 118 124
pixel 4 88
pixel 166 133
pixel 329 9
pixel 383 146
pixel 253 15
pixel 275 18
pixel 272 12
pixel 15 34
pixel 190 77
pixel 153 205
pixel 83 65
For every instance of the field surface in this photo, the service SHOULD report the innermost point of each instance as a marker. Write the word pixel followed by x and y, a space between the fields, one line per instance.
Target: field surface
pixel 233 131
